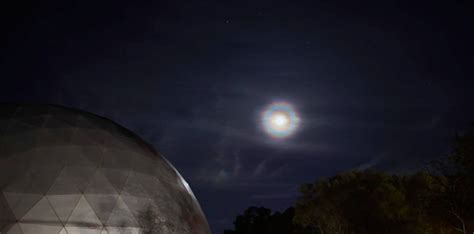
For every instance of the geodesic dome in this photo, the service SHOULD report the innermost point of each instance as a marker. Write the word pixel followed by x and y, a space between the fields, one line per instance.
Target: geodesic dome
pixel 67 171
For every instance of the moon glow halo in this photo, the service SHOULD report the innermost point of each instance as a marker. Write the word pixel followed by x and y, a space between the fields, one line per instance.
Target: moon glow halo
pixel 280 120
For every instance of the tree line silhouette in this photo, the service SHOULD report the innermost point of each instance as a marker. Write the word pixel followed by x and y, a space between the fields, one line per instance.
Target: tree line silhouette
pixel 436 200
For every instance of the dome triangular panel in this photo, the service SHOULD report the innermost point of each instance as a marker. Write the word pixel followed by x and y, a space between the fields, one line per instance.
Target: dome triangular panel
pixel 83 214
pixel 63 204
pixel 41 212
pixel 21 203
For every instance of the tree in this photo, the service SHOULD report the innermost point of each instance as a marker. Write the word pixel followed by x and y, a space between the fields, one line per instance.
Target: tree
pixel 439 201
pixel 456 198
pixel 260 220
pixel 366 202
pixel 423 195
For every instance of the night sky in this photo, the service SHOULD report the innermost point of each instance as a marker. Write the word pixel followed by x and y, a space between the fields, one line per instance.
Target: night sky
pixel 379 85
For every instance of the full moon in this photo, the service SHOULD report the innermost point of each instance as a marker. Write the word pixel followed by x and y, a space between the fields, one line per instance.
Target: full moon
pixel 280 120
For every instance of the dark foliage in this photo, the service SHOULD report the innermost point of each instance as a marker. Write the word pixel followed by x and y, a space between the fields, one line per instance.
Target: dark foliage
pixel 435 201
pixel 260 220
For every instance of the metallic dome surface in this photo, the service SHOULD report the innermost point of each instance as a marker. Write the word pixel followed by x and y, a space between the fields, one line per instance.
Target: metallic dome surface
pixel 68 171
